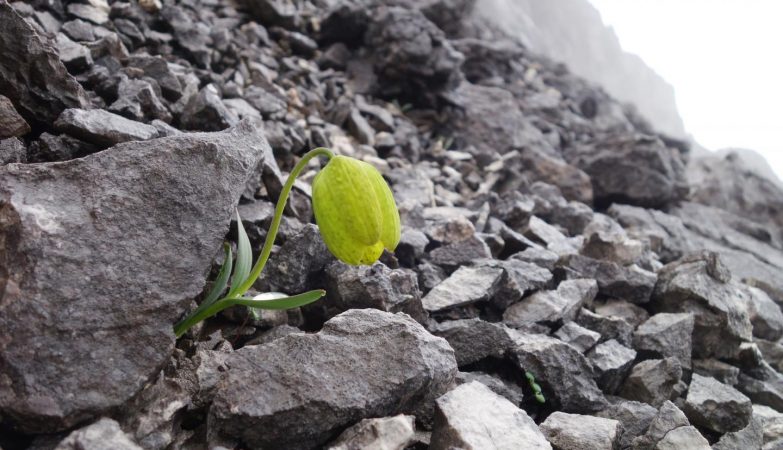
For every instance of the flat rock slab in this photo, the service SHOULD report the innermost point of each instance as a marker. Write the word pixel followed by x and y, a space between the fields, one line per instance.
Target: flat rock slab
pixel 364 363
pixel 473 417
pixel 31 73
pixel 99 256
pixel 103 128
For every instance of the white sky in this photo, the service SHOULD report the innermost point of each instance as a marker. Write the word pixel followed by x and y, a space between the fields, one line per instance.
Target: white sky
pixel 724 59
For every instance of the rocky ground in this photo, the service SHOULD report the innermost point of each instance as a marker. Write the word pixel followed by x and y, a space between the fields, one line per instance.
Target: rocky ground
pixel 548 231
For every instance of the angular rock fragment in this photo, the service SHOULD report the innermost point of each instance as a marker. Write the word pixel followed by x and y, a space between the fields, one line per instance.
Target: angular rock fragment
pixel 103 128
pixel 725 373
pixel 25 56
pixel 206 111
pixel 550 307
pixel 138 100
pixel 608 327
pixel 465 286
pixel 681 438
pixel 374 286
pixel 765 315
pixel 612 361
pixel 65 356
pixel 716 406
pixel 666 334
pixel 577 432
pixel 670 430
pixel 519 278
pixel 577 336
pixel 564 374
pixel 457 254
pixel 700 284
pixel 512 392
pixel 12 150
pixel 104 434
pixel 630 283
pixel 752 436
pixel 388 365
pixel 635 417
pixel 472 416
pixel 387 433
pixel 652 381
pixel 297 263
pixel 475 339
pixel 76 57
pixel 11 123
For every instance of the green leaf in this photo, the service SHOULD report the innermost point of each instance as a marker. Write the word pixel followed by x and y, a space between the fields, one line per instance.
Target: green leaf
pixel 276 300
pixel 244 259
pixel 222 279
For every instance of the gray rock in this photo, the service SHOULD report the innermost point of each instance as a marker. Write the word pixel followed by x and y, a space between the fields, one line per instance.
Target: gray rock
pixel 103 128
pixel 12 150
pixel 460 253
pixel 538 256
pixel 765 315
pixel 519 278
pixel 509 391
pixel 295 266
pixel 725 373
pixel 406 47
pixel 471 416
pixel 627 311
pixel 635 417
pixel 96 13
pixel 752 436
pixel 465 286
pixel 716 406
pixel 76 57
pixel 78 30
pixel 24 56
pixel 538 230
pixel 764 389
pixel 605 239
pixel 68 360
pixel 138 100
pixel 374 286
pixel 206 111
pixel 681 438
pixel 387 433
pixel 700 284
pixel 652 381
pixel 550 307
pixel 608 327
pixel 564 374
pixel 577 336
pixel 577 432
pixel 360 128
pixel 612 361
pixel 630 283
pixel 11 123
pixel 158 69
pixel 638 170
pixel 475 339
pixel 104 434
pixel 668 419
pixel 666 334
pixel 388 365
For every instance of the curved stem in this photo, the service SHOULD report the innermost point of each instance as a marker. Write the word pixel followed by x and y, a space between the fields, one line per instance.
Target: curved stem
pixel 281 201
pixel 235 297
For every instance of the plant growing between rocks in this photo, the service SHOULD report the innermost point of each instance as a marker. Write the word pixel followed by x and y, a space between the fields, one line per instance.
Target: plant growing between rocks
pixel 355 212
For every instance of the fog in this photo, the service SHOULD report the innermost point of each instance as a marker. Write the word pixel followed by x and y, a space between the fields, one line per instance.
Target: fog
pixel 723 58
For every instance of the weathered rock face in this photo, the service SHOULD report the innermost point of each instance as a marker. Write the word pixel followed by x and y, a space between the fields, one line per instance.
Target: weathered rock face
pixel 389 433
pixel 130 211
pixel 716 406
pixel 472 416
pixel 31 74
pixel 302 394
pixel 575 431
pixel 104 434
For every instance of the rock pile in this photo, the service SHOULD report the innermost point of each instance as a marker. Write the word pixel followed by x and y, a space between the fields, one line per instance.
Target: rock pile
pixel 548 231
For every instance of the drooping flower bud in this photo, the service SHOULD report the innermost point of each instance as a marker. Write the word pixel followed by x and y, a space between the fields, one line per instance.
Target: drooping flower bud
pixel 355 210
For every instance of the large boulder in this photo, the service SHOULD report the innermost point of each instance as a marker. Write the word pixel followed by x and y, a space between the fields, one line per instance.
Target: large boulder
pixel 305 388
pixel 99 256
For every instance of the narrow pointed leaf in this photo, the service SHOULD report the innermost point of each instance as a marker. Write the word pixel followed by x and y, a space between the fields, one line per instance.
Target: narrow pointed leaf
pixel 274 300
pixel 244 258
pixel 222 279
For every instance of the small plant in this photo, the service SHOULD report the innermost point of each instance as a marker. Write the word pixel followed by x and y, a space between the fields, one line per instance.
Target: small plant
pixel 531 380
pixel 355 212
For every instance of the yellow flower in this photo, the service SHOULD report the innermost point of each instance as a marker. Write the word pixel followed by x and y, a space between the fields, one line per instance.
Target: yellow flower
pixel 355 210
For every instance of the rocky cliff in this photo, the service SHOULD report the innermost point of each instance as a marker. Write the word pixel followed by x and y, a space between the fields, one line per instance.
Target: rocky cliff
pixel 564 279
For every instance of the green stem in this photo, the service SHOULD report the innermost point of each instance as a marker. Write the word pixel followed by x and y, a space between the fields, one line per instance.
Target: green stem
pixel 281 201
pixel 234 298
